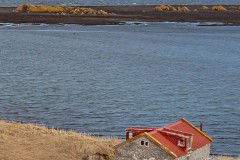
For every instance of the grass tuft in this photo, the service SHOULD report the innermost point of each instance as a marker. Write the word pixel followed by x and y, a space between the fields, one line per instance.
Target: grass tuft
pixel 164 8
pixel 87 11
pixel 183 9
pixel 218 8
pixel 60 10
pixel 171 8
pixel 204 8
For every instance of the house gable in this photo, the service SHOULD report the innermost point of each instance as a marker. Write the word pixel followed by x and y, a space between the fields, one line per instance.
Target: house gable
pixel 152 139
pixel 144 147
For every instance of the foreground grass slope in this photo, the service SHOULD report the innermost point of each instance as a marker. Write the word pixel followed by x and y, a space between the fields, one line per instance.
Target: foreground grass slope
pixel 31 142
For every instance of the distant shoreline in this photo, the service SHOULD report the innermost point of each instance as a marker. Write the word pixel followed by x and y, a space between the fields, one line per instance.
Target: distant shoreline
pixel 121 14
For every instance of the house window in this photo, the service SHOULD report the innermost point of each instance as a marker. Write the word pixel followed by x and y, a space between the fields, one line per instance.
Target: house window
pixel 181 142
pixel 147 143
pixel 130 135
pixel 144 143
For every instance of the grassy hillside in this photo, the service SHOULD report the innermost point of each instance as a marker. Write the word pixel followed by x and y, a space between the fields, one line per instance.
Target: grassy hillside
pixel 31 142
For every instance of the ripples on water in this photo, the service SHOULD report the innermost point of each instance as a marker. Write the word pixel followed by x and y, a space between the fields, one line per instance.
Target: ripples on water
pixel 113 2
pixel 102 79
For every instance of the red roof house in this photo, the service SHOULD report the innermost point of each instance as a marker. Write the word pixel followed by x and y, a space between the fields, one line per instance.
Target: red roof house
pixel 177 141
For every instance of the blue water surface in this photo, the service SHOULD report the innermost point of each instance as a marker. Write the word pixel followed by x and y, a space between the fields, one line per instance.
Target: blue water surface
pixel 102 79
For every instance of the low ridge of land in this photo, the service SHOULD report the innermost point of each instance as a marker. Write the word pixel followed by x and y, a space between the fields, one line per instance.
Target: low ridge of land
pixel 29 141
pixel 105 15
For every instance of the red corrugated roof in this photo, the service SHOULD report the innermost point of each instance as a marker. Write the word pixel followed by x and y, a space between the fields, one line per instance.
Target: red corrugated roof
pixel 163 140
pixel 168 137
pixel 200 139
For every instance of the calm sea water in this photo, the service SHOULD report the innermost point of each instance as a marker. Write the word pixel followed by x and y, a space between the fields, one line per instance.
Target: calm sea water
pixel 113 2
pixel 102 79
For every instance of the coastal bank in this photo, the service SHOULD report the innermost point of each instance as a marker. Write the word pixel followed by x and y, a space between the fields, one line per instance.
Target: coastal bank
pixel 225 14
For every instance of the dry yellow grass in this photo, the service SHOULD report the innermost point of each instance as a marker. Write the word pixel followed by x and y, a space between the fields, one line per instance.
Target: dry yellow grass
pixel 38 9
pixel 171 8
pixel 165 8
pixel 235 8
pixel 31 142
pixel 88 11
pixel 218 8
pixel 61 10
pixel 183 9
pixel 204 8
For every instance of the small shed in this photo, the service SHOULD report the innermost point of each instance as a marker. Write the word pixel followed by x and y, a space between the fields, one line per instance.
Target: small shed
pixel 180 140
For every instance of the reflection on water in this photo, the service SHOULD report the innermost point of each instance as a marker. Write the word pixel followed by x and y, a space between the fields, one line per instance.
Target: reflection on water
pixel 102 79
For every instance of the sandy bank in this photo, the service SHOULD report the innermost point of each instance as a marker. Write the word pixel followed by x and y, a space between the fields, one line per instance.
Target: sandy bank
pixel 120 14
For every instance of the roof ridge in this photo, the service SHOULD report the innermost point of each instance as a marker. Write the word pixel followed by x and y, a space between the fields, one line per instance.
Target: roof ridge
pixel 202 133
pixel 174 134
pixel 177 131
pixel 141 128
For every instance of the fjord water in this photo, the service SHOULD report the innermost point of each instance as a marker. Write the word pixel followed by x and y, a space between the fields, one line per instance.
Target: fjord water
pixel 4 3
pixel 102 79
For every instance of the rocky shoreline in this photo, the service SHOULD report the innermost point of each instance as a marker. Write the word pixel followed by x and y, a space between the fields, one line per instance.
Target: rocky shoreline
pixel 137 13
